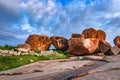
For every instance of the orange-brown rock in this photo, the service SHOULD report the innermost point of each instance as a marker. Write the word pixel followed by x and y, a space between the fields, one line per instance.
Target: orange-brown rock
pixel 59 42
pixel 117 41
pixel 38 42
pixel 90 33
pixel 101 35
pixel 104 46
pixel 24 46
pixel 78 36
pixel 79 46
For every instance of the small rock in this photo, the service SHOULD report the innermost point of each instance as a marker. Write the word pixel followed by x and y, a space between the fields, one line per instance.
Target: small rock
pixel 31 61
pixel 113 51
pixel 104 46
pixel 117 41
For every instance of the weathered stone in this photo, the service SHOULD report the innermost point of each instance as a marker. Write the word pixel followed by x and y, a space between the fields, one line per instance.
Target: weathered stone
pixel 79 46
pixel 59 42
pixel 106 75
pixel 24 46
pixel 117 41
pixel 5 51
pixel 93 57
pixel 31 52
pixel 101 35
pixel 38 42
pixel 15 53
pixel 90 33
pixel 78 36
pixel 11 52
pixel 104 46
pixel 113 51
pixel 101 54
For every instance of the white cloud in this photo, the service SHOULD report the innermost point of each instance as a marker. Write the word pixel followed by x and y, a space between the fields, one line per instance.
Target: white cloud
pixel 48 17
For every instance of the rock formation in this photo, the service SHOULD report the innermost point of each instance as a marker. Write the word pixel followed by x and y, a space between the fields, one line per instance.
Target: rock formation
pixel 59 42
pixel 104 46
pixel 113 51
pixel 78 36
pixel 24 47
pixel 38 42
pixel 90 33
pixel 79 46
pixel 117 41
pixel 101 35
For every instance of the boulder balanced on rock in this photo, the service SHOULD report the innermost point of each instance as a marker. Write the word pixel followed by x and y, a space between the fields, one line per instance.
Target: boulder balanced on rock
pixel 78 36
pixel 38 42
pixel 117 41
pixel 59 42
pixel 78 46
pixel 92 33
pixel 101 35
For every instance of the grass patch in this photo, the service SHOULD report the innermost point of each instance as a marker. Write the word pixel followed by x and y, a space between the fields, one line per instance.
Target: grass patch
pixel 9 62
pixel 61 52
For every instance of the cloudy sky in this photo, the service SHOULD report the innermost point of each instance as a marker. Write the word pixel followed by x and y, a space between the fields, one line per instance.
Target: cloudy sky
pixel 19 18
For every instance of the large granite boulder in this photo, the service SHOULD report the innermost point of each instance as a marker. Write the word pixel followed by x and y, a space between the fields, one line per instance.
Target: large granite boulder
pixel 59 42
pixel 101 35
pixel 78 36
pixel 90 33
pixel 104 46
pixel 79 46
pixel 38 42
pixel 117 41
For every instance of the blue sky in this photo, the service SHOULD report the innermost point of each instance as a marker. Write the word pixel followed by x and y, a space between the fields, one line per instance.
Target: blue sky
pixel 19 18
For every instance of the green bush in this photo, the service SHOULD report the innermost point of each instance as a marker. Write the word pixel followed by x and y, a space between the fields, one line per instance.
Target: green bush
pixel 37 51
pixel 8 47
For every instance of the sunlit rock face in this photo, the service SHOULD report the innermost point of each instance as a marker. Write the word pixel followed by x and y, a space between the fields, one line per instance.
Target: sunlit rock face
pixel 92 33
pixel 101 35
pixel 38 42
pixel 78 46
pixel 59 42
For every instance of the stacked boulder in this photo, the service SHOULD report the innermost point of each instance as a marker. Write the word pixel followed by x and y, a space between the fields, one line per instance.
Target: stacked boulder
pixel 93 41
pixel 81 46
pixel 89 42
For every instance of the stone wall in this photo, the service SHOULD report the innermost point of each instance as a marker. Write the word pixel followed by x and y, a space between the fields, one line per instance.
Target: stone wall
pixel 42 53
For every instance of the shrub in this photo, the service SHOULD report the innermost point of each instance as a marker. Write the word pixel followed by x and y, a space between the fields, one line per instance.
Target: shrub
pixel 37 51
pixel 8 47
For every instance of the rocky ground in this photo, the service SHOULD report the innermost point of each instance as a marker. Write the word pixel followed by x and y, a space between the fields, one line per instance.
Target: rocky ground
pixel 75 68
